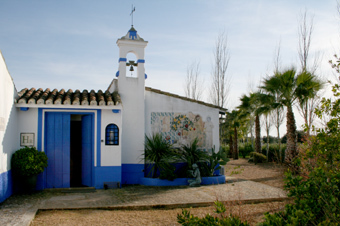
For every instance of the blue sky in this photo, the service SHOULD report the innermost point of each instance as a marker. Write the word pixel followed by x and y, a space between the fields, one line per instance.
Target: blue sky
pixel 72 44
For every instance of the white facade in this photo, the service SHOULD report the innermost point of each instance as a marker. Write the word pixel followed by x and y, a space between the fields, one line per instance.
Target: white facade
pixel 8 128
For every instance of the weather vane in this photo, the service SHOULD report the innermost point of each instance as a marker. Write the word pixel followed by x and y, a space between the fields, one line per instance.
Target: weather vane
pixel 131 14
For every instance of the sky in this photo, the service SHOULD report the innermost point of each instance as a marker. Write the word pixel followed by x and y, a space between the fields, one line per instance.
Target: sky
pixel 71 44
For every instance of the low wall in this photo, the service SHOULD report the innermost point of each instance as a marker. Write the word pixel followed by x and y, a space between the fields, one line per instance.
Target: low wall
pixel 180 181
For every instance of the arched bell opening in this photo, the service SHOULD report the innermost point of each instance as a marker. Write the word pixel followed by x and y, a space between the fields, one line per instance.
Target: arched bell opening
pixel 131 65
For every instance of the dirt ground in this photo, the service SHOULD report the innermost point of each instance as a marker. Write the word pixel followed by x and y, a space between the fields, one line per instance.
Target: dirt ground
pixel 267 173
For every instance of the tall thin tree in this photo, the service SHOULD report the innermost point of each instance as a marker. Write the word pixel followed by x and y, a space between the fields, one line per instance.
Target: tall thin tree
pixel 278 116
pixel 305 31
pixel 193 86
pixel 220 86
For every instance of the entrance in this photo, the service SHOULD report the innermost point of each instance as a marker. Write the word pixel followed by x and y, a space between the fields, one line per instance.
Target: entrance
pixel 69 148
pixel 75 151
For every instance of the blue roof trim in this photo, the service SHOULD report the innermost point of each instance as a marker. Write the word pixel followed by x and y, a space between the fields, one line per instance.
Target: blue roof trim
pixel 116 111
pixel 141 61
pixel 146 76
pixel 24 109
pixel 117 74
pixel 122 59
pixel 133 35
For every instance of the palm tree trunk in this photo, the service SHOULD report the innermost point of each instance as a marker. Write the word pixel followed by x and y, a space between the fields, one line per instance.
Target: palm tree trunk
pixel 257 134
pixel 231 145
pixel 278 134
pixel 235 144
pixel 291 151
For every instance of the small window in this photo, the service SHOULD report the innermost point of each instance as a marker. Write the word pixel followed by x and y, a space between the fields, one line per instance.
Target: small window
pixel 112 135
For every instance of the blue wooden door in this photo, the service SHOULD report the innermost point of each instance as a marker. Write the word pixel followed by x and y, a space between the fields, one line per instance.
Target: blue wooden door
pixel 57 148
pixel 87 144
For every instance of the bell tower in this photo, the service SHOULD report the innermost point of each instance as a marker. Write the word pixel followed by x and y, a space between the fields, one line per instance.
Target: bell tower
pixel 131 91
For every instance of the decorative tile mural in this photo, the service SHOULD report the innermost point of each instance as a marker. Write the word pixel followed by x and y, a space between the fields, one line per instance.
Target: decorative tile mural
pixel 181 129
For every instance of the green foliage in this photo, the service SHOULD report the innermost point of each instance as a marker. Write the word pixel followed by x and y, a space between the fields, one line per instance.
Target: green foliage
pixel 274 152
pixel 215 161
pixel 271 139
pixel 227 150
pixel 245 149
pixel 301 137
pixel 192 154
pixel 317 187
pixel 187 219
pixel 168 172
pixel 157 154
pixel 257 157
pixel 28 161
pixel 236 170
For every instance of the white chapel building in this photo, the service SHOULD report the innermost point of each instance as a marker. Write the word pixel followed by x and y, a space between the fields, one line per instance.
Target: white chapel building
pixel 94 137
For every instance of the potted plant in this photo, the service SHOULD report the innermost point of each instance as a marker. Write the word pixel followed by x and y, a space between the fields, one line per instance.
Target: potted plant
pixel 26 164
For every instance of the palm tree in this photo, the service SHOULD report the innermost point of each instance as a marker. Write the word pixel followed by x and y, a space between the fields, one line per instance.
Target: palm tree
pixel 278 110
pixel 233 123
pixel 290 86
pixel 253 106
pixel 229 131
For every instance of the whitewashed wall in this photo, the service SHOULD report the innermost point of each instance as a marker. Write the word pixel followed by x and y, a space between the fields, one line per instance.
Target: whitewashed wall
pixel 28 123
pixel 8 118
pixel 155 102
pixel 111 154
pixel 131 91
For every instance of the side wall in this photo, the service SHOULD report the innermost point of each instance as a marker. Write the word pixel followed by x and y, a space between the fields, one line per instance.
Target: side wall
pixel 8 129
pixel 181 120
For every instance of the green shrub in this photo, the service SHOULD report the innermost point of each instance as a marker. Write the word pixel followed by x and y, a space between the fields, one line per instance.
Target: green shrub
pixel 215 161
pixel 245 149
pixel 257 157
pixel 168 172
pixel 274 152
pixel 226 149
pixel 187 219
pixel 28 161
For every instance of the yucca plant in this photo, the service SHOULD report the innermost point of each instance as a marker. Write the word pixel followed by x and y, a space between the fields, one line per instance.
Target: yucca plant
pixel 191 154
pixel 158 154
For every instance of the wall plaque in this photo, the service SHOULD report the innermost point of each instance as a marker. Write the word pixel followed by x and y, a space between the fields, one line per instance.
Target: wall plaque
pixel 27 139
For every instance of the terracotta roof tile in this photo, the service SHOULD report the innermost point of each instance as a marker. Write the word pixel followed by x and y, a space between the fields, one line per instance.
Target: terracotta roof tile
pixel 48 97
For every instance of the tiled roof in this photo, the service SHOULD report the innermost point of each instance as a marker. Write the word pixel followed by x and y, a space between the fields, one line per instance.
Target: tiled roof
pixel 48 97
pixel 184 98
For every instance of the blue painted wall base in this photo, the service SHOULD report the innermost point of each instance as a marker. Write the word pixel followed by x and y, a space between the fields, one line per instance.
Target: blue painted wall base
pixel 131 173
pixel 181 181
pixel 5 185
pixel 107 174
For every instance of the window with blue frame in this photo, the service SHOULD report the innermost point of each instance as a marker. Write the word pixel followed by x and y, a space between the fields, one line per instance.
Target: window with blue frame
pixel 112 134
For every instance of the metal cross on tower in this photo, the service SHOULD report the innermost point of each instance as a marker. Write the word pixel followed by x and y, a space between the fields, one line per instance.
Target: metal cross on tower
pixel 131 14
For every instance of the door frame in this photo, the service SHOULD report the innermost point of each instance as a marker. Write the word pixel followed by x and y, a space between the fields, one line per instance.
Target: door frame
pixel 95 125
